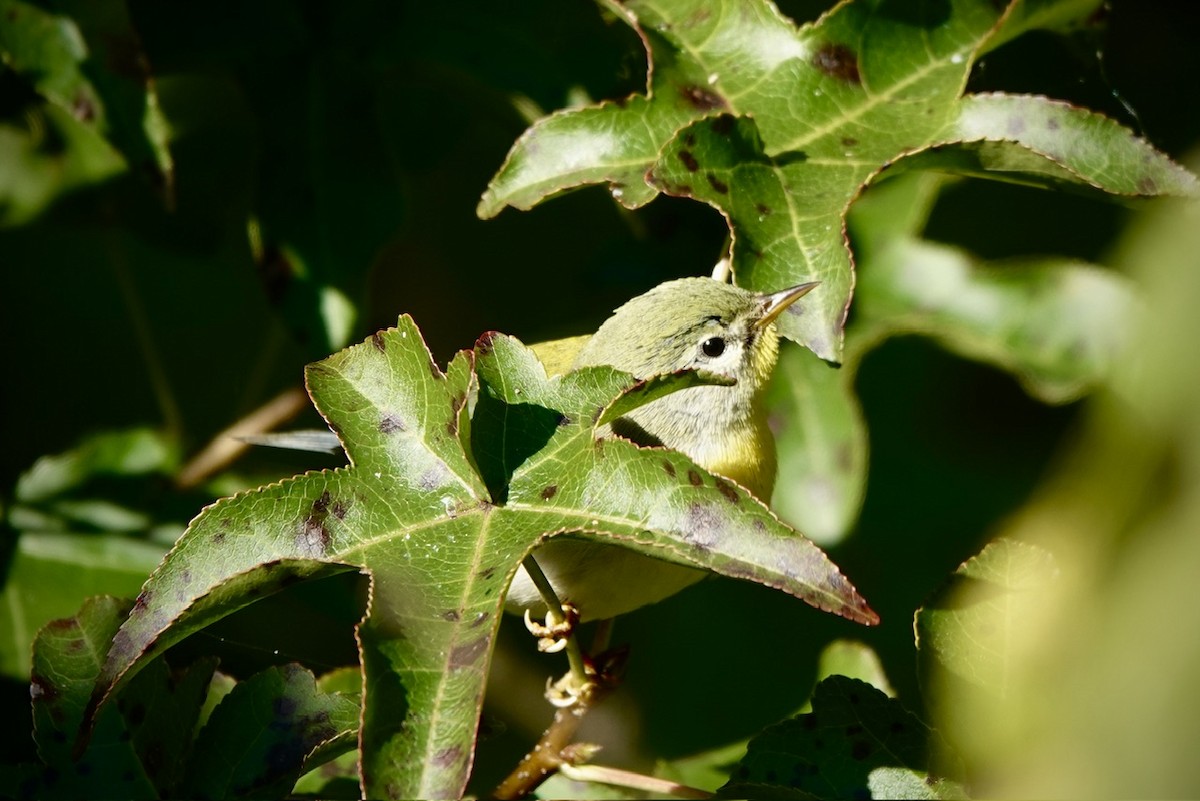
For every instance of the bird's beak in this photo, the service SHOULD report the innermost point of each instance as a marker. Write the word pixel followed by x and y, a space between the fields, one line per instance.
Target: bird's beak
pixel 773 304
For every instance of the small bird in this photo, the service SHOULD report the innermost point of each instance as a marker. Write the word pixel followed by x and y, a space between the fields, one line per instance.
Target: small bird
pixel 690 323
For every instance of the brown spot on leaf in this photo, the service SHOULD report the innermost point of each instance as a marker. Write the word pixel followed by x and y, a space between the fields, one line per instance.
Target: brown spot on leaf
pixel 717 184
pixel 339 510
pixel 446 757
pixel 702 99
pixel 390 424
pixel 451 616
pixel 143 600
pixel 837 61
pixel 549 492
pixel 313 538
pixel 690 140
pixel 468 653
pixel 479 619
pixel 670 468
pixel 726 489
pixel 689 160
pixel 849 141
pixel 694 478
pixel 378 341
pixel 40 689
pixel 1147 186
pixel 486 573
pixel 485 344
pixel 763 209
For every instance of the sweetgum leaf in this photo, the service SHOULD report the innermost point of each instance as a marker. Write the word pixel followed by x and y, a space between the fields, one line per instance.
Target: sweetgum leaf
pixel 454 478
pixel 85 58
pixel 833 104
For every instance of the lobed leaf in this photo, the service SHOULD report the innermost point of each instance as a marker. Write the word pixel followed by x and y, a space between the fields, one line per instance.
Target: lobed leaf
pixel 454 478
pixel 790 124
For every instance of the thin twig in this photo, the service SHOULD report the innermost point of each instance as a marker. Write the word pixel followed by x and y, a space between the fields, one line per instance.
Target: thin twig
pixel 225 447
pixel 635 781
pixel 547 756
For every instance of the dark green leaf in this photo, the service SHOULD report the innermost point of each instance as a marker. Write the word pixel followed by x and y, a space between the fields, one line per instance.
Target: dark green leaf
pixel 262 734
pixel 856 743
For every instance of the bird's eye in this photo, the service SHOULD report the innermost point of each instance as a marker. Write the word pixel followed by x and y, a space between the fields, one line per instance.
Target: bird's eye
pixel 713 347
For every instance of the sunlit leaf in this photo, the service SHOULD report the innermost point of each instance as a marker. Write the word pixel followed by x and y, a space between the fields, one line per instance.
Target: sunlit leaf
pixel 788 125
pixel 440 542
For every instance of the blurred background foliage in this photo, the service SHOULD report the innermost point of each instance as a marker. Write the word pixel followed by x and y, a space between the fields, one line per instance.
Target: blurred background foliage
pixel 303 172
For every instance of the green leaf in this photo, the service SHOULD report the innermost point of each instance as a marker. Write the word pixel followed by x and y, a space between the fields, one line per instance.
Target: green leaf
pixel 822 443
pixel 87 60
pixel 414 513
pixel 49 577
pixel 138 744
pixel 267 730
pixel 1058 325
pixel 124 453
pixel 711 769
pixel 854 660
pixel 1043 142
pixel 856 743
pixel 967 631
pixel 790 124
pixel 161 710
